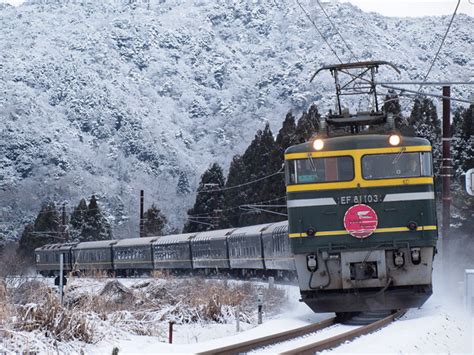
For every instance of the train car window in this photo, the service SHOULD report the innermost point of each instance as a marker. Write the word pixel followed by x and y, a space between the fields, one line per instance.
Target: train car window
pixel 396 165
pixel 318 170
pixel 426 164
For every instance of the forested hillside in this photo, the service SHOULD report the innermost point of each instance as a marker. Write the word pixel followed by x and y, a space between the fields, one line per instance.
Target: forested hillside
pixel 105 99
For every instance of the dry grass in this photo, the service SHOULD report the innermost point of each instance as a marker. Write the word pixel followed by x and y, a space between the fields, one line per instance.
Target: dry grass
pixel 61 323
pixel 94 273
pixel 143 309
pixel 179 300
pixel 199 299
pixel 32 305
pixel 4 304
pixel 161 274
pixel 31 291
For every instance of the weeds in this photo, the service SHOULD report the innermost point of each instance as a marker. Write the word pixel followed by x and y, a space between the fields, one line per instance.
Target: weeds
pixel 50 317
pixel 145 308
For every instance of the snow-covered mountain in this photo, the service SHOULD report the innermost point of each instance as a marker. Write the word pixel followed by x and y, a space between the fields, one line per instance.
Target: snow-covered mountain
pixel 110 97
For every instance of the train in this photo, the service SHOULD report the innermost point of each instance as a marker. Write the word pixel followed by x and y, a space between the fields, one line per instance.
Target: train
pixel 361 209
pixel 261 250
pixel 362 227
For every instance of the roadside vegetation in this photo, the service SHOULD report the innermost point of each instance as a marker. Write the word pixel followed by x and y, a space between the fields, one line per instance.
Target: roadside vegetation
pixel 96 308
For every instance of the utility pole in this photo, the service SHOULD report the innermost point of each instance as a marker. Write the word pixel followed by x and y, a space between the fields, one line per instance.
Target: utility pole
pixel 64 231
pixel 142 224
pixel 446 170
pixel 61 279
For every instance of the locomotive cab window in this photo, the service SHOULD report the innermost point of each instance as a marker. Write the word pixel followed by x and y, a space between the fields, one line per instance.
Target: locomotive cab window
pixel 318 170
pixel 396 165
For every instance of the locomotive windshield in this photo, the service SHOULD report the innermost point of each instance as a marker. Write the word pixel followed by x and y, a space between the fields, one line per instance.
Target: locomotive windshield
pixel 315 170
pixel 396 165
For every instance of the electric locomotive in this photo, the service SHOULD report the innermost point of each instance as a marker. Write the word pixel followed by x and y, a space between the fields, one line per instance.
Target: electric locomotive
pixel 361 209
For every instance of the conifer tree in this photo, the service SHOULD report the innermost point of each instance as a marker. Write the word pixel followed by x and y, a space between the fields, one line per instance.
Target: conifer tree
pixel 457 143
pixel 287 134
pixel 308 124
pixel 155 222
pixel 263 156
pixel 416 112
pixel 209 200
pixel 46 229
pixel 78 220
pixel 96 226
pixel 258 161
pixel 463 159
pixel 183 187
pixel 29 242
pixel 392 105
pixel 286 138
pixel 467 138
pixel 234 197
pixel 426 124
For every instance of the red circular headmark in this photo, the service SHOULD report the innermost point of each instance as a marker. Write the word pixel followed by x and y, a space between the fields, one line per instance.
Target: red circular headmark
pixel 360 221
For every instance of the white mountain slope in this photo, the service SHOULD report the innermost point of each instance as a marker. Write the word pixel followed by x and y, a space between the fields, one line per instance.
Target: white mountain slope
pixel 105 98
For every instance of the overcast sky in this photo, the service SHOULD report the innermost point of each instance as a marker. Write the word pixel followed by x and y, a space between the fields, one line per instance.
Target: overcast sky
pixel 397 8
pixel 412 8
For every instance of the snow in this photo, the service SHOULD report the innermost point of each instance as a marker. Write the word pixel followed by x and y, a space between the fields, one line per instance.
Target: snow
pixel 126 97
pixel 123 98
pixel 440 326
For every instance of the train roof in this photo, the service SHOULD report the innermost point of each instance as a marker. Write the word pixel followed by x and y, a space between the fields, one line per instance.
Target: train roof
pixel 56 247
pixel 276 225
pixel 95 244
pixel 364 141
pixel 172 239
pixel 215 234
pixel 250 230
pixel 135 242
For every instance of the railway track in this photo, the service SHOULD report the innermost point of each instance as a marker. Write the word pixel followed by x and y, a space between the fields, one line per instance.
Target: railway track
pixel 310 348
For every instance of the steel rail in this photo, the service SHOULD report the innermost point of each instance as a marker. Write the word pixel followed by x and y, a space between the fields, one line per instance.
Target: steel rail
pixel 337 340
pixel 270 339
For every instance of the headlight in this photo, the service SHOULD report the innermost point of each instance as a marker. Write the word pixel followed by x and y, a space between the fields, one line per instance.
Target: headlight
pixel 398 258
pixel 394 139
pixel 312 262
pixel 415 256
pixel 318 144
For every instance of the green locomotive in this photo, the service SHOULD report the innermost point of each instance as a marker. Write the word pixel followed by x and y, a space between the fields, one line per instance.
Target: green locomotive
pixel 362 214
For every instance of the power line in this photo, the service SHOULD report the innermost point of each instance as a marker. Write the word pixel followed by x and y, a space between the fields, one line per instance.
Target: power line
pixel 417 93
pixel 244 184
pixel 234 208
pixel 199 222
pixel 441 45
pixel 317 29
pixel 70 211
pixel 335 28
pixel 258 208
pixel 425 83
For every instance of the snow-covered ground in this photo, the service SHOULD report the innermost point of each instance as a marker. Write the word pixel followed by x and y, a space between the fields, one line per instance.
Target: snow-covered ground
pixel 440 326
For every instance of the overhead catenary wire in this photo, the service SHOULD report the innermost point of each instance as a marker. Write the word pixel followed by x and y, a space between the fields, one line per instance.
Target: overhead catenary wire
pixel 317 29
pixel 198 192
pixel 417 93
pixel 256 209
pixel 335 28
pixel 70 211
pixel 234 207
pixel 240 185
pixel 200 222
pixel 440 46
